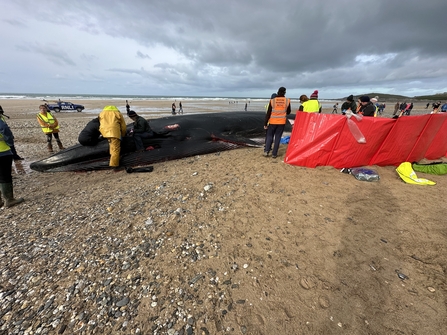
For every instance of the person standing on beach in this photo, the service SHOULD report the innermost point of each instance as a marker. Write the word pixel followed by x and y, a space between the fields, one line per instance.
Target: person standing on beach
pixel 396 108
pixel 409 109
pixel 173 108
pixel 246 105
pixel 113 127
pixel 50 127
pixel 312 105
pixel 180 108
pixel 15 155
pixel 275 121
pixel 6 157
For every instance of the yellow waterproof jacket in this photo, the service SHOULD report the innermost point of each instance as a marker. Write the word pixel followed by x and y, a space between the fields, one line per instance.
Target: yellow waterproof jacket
pixel 407 174
pixel 311 106
pixel 112 123
pixel 3 146
pixel 48 123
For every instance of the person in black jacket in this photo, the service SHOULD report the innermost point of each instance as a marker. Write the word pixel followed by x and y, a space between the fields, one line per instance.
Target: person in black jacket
pixel 349 104
pixel 141 130
pixel 90 135
pixel 367 107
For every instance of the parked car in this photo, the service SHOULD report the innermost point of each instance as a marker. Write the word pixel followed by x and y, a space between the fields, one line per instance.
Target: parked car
pixel 64 105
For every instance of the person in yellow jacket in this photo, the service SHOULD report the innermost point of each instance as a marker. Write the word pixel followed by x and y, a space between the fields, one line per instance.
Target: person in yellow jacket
pixel 275 121
pixel 6 157
pixel 113 127
pixel 50 127
pixel 311 105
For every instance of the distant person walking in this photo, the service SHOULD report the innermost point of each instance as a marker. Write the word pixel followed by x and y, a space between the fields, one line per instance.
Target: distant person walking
pixel 113 127
pixel 180 108
pixel 428 104
pixel 173 108
pixel 246 105
pixel 335 109
pixel 50 127
pixel 275 121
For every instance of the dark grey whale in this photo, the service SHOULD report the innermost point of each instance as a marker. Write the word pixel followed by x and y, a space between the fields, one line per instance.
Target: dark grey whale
pixel 175 137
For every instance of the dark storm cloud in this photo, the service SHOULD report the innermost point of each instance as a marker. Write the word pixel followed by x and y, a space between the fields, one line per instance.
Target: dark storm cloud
pixel 261 43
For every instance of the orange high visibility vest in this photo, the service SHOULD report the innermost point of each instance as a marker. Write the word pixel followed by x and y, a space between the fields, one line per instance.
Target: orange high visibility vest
pixel 279 110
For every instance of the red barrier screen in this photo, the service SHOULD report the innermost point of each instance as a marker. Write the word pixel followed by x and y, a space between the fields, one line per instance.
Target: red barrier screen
pixel 326 140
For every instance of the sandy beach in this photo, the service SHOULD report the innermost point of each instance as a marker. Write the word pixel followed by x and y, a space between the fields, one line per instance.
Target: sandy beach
pixel 231 243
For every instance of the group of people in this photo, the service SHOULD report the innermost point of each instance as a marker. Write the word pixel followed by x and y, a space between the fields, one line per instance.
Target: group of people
pixel 403 108
pixel 180 108
pixel 279 107
pixel 111 125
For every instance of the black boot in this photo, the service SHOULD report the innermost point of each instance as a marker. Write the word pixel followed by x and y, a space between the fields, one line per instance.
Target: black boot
pixel 7 191
pixel 59 144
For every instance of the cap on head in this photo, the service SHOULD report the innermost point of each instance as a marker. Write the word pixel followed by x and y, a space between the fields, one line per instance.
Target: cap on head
pixel 314 95
pixel 350 98
pixel 273 96
pixel 131 114
pixel 364 98
pixel 373 100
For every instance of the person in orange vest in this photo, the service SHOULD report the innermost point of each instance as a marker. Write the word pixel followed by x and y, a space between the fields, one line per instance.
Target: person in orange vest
pixel 50 127
pixel 113 127
pixel 275 121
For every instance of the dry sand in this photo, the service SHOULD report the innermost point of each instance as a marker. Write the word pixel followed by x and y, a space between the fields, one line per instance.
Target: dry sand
pixel 267 248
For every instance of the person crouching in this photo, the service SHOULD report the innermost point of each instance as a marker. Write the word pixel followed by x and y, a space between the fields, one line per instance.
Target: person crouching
pixel 141 130
pixel 113 127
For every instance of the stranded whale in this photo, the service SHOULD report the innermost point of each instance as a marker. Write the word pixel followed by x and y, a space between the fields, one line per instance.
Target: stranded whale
pixel 175 137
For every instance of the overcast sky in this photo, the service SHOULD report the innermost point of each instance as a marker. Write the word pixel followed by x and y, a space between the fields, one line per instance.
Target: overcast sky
pixel 244 48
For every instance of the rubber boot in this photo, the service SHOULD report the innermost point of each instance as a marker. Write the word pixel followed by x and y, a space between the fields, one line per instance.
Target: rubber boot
pixel 59 144
pixel 50 147
pixel 7 191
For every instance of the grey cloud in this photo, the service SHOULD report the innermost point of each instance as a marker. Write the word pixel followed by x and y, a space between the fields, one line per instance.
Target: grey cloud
pixel 52 52
pixel 142 55
pixel 257 44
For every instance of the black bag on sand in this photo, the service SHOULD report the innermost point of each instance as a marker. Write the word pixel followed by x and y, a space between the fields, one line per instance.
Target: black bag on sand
pixel 140 169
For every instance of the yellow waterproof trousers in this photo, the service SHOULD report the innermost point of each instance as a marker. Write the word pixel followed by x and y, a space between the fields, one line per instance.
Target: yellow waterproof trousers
pixel 114 150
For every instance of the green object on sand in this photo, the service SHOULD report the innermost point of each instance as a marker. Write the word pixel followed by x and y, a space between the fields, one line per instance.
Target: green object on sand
pixel 438 168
